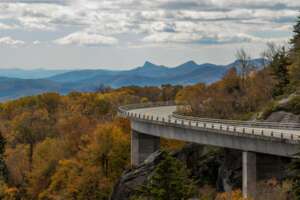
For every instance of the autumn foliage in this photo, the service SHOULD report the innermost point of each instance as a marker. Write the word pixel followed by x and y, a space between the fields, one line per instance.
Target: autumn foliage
pixel 69 147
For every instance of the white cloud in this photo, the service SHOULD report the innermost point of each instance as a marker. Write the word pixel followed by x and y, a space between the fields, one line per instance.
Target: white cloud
pixel 208 38
pixel 8 41
pixel 7 26
pixel 86 39
pixel 102 22
pixel 36 42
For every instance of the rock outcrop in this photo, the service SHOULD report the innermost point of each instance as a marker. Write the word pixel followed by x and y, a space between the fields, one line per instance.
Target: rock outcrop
pixel 202 162
pixel 230 171
pixel 283 117
pixel 221 168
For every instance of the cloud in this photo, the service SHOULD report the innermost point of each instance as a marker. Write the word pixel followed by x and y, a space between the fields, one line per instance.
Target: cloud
pixel 36 42
pixel 86 39
pixel 105 22
pixel 8 41
pixel 62 2
pixel 207 38
pixel 7 26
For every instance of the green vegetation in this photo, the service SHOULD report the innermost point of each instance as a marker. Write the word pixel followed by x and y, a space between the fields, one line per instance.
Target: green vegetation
pixel 295 170
pixel 3 167
pixel 293 105
pixel 279 71
pixel 295 55
pixel 170 180
pixel 268 109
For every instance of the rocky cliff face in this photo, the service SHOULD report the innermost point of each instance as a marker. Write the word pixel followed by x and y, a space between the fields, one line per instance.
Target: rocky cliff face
pixel 285 110
pixel 208 166
pixel 202 162
pixel 284 117
pixel 230 171
pixel 220 168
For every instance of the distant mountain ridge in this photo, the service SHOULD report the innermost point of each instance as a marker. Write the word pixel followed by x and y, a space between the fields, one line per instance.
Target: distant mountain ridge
pixel 151 74
pixel 89 80
pixel 30 73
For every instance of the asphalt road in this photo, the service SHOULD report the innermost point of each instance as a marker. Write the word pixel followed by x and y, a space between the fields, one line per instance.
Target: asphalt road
pixel 166 113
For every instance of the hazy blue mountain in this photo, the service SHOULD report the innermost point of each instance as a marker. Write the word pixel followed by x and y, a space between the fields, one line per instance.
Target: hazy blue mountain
pixel 29 74
pixel 206 73
pixel 186 68
pixel 148 69
pixel 89 80
pixel 81 75
pixel 258 64
pixel 152 74
pixel 11 88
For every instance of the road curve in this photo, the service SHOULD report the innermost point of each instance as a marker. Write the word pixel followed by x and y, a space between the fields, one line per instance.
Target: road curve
pixel 164 114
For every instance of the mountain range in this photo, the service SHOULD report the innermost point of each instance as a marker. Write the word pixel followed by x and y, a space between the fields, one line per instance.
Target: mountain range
pixel 16 83
pixel 30 74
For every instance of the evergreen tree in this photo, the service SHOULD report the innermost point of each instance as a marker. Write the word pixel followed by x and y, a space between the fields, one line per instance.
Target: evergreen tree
pixel 295 172
pixel 3 167
pixel 295 71
pixel 169 181
pixel 295 41
pixel 280 72
pixel 295 54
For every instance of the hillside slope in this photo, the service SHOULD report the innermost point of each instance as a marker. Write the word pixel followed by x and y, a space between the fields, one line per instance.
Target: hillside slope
pixel 11 88
pixel 30 73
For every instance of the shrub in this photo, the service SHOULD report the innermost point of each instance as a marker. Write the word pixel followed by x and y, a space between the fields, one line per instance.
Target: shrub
pixel 270 108
pixel 170 180
pixel 293 105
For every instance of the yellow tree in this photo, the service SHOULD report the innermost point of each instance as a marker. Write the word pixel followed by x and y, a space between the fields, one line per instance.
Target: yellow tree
pixel 109 147
pixel 46 157
pixel 31 127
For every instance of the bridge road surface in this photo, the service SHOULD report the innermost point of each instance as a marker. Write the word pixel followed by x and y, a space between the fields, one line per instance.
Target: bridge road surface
pixel 166 113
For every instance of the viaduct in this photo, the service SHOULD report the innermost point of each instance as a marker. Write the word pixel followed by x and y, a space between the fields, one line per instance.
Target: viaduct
pixel 152 121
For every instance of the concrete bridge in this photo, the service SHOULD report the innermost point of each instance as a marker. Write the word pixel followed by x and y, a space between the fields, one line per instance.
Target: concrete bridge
pixel 152 121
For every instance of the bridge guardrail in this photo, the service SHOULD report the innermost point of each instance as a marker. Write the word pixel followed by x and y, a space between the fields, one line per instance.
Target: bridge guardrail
pixel 146 105
pixel 253 129
pixel 275 125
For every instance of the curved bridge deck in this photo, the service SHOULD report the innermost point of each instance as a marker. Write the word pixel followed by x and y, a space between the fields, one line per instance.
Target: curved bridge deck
pixel 270 138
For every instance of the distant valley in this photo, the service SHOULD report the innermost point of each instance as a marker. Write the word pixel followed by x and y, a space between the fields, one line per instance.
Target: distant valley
pixel 16 83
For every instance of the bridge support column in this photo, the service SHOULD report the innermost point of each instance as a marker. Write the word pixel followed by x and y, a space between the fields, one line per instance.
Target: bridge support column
pixel 142 146
pixel 249 175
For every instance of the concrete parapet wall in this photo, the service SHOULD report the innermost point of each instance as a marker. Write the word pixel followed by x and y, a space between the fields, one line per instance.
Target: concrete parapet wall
pixel 214 138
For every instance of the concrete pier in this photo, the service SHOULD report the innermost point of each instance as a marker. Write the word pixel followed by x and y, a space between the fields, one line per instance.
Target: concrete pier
pixel 142 146
pixel 249 175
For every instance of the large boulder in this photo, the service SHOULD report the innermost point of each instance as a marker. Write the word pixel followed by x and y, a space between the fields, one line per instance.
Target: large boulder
pixel 283 117
pixel 135 177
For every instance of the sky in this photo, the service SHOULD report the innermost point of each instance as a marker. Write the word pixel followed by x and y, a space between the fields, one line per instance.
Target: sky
pixel 122 34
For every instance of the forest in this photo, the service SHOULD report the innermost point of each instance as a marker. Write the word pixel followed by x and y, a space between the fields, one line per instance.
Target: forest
pixel 55 147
